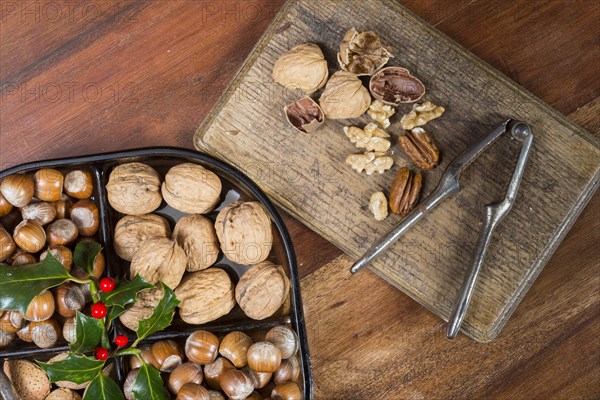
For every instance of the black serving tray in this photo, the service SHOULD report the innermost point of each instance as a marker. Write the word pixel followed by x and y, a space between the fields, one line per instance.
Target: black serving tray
pixel 235 186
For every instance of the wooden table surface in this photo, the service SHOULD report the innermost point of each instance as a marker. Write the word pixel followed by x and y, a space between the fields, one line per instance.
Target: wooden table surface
pixel 96 75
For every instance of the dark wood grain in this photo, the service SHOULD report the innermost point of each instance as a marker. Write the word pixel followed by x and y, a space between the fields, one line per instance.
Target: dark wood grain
pixel 555 356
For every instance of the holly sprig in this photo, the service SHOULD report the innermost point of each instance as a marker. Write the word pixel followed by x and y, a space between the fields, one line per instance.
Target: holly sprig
pixel 92 350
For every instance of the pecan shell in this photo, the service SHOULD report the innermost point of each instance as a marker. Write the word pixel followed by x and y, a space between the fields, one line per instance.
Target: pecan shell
pixel 405 191
pixel 420 149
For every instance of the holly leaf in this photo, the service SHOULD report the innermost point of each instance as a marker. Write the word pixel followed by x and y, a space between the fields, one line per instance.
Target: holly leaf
pixel 85 253
pixel 103 388
pixel 88 333
pixel 20 284
pixel 162 315
pixel 148 384
pixel 75 368
pixel 123 296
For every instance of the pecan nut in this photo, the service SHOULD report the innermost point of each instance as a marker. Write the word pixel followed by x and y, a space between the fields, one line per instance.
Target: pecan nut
pixel 405 191
pixel 420 149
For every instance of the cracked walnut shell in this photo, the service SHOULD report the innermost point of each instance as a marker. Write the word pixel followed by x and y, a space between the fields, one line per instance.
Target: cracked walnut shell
pixel 134 189
pixel 191 188
pixel 262 290
pixel 196 235
pixel 344 97
pixel 205 296
pixel 405 191
pixel 133 230
pixel 244 232
pixel 420 148
pixel 303 67
pixel 159 259
pixel 381 112
pixel 370 162
pixel 362 53
pixel 421 114
pixel 305 115
pixel 143 307
pixel 395 85
pixel 371 138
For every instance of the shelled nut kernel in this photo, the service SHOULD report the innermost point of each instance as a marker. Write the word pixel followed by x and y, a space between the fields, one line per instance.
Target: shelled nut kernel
pixel 29 235
pixel 79 184
pixel 48 184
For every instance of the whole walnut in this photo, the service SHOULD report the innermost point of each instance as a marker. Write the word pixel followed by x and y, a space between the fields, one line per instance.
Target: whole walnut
pixel 133 230
pixel 345 97
pixel 196 235
pixel 134 189
pixel 262 290
pixel 159 259
pixel 244 231
pixel 145 303
pixel 191 188
pixel 303 67
pixel 205 296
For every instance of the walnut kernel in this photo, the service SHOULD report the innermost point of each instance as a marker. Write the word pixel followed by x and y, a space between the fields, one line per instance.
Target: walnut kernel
pixel 421 114
pixel 381 112
pixel 371 138
pixel 362 53
pixel 370 162
pixel 378 205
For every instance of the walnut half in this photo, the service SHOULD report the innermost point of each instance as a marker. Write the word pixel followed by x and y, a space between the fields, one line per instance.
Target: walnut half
pixel 381 112
pixel 370 162
pixel 379 206
pixel 421 114
pixel 371 138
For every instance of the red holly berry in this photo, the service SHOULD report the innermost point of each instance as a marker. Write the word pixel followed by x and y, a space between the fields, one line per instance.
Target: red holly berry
pixel 101 353
pixel 107 285
pixel 121 340
pixel 99 310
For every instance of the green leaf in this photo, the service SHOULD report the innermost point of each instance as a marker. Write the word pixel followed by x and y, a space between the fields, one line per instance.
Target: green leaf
pixel 85 253
pixel 148 385
pixel 123 296
pixel 89 333
pixel 75 368
pixel 103 388
pixel 20 284
pixel 161 316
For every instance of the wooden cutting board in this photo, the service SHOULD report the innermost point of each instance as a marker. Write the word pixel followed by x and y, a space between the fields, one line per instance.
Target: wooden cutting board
pixel 307 175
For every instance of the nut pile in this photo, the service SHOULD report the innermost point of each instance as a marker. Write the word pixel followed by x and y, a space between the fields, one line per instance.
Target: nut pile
pixel 232 367
pixel 345 97
pixel 184 257
pixel 48 212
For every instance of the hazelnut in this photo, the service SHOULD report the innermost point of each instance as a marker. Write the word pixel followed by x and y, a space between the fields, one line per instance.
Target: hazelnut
pixel 244 231
pixel 6 338
pixel 62 232
pixel 7 244
pixel 236 384
pixel 287 391
pixel 305 115
pixel 167 354
pixel 84 214
pixel 234 347
pixel 159 259
pixel 69 330
pixel 5 206
pixel 192 391
pixel 262 290
pixel 17 189
pixel 29 380
pixel 97 268
pixel 303 67
pixel 25 333
pixel 214 395
pixel 69 299
pixel 46 333
pixel 260 379
pixel 133 230
pixel 30 236
pixel 148 357
pixel 11 220
pixel 11 321
pixel 79 184
pixel 41 211
pixel 289 370
pixel 196 235
pixel 48 184
pixel 254 396
pixel 214 371
pixel 63 394
pixel 362 53
pixel 22 258
pixel 344 97
pixel 191 188
pixel 63 254
pixel 41 307
pixel 202 347
pixel 205 296
pixel 395 85
pixel 134 189
pixel 264 357
pixel 129 382
pixel 63 206
pixel 185 373
pixel 284 339
pixel 143 307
